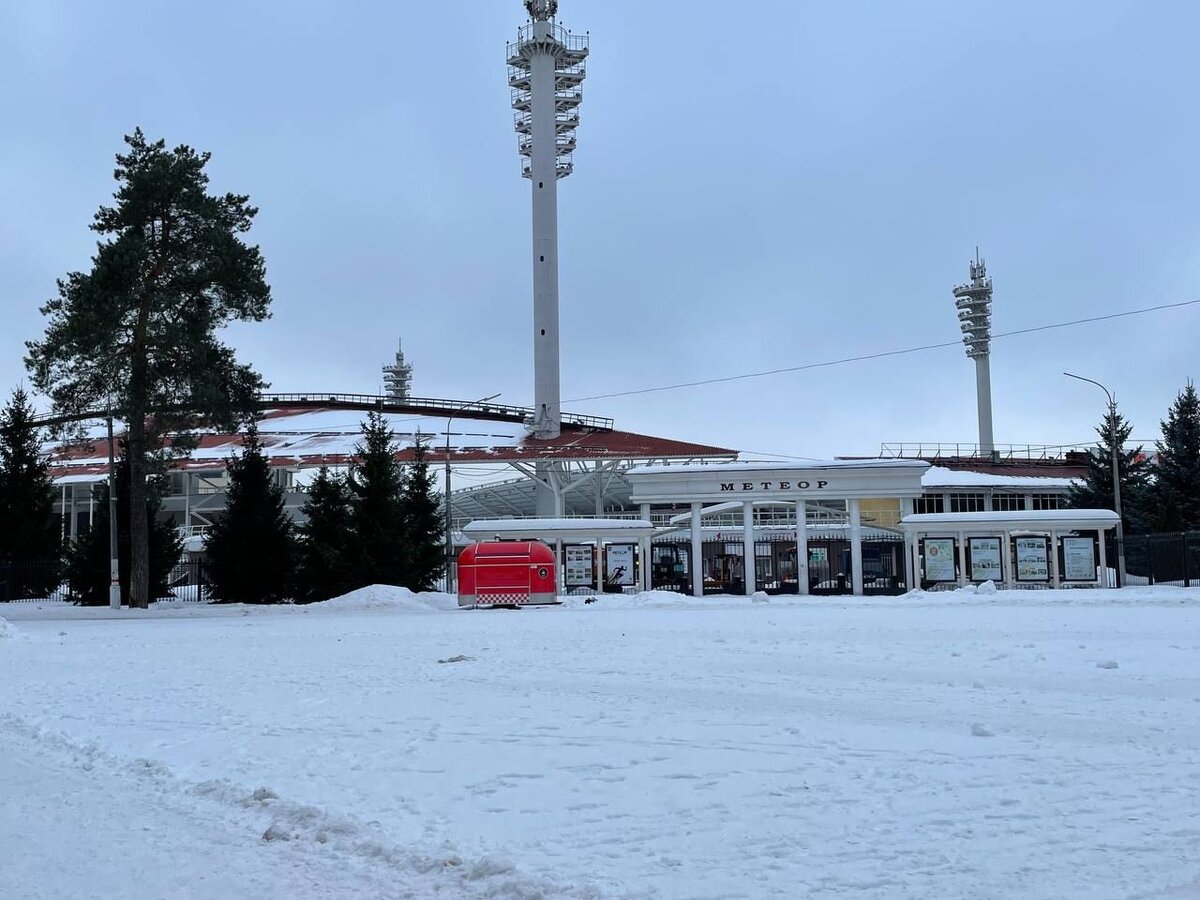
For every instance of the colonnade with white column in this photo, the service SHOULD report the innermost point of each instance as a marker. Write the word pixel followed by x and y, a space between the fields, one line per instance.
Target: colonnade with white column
pixel 749 554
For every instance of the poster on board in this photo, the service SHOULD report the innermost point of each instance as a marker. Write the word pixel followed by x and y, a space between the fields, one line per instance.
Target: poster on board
pixel 985 559
pixel 1079 558
pixel 939 559
pixel 1033 559
pixel 579 565
pixel 618 565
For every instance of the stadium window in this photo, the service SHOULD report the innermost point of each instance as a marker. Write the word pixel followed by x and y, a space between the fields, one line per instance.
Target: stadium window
pixel 1047 501
pixel 931 503
pixel 968 503
pixel 1008 502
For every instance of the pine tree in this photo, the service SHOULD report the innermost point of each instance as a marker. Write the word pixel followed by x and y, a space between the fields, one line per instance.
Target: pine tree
pixel 1175 494
pixel 376 481
pixel 423 526
pixel 1096 492
pixel 323 569
pixel 138 333
pixel 249 547
pixel 30 543
pixel 87 558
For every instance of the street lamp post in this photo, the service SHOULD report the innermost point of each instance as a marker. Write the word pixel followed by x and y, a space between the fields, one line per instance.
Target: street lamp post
pixel 1116 476
pixel 446 489
pixel 114 571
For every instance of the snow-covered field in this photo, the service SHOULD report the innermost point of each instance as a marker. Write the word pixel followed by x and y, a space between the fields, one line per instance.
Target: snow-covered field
pixel 1010 745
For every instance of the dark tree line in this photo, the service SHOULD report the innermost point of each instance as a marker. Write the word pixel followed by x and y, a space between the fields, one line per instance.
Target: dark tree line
pixel 137 333
pixel 378 524
pixel 1156 496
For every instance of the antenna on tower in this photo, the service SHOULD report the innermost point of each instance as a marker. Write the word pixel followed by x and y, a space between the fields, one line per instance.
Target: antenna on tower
pixel 541 10
pixel 397 377
pixel 974 304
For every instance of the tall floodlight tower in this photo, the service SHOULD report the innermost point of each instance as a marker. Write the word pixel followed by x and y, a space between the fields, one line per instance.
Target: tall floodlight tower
pixel 546 68
pixel 397 378
pixel 974 302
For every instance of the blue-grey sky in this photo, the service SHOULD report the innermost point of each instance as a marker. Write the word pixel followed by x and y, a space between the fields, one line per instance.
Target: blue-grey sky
pixel 757 186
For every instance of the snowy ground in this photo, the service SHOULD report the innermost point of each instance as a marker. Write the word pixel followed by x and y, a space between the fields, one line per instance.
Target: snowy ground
pixel 1010 745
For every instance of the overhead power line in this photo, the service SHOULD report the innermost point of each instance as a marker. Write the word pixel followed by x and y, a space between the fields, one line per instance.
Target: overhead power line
pixel 881 355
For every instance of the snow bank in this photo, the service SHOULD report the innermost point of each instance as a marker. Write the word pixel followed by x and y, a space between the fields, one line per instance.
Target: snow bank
pixel 7 631
pixel 387 596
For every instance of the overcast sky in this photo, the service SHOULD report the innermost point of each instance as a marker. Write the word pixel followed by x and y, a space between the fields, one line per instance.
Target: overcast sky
pixel 757 186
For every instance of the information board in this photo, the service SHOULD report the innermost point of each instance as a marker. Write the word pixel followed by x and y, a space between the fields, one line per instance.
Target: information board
pixel 1033 558
pixel 580 571
pixel 618 565
pixel 1079 558
pixel 985 559
pixel 939 559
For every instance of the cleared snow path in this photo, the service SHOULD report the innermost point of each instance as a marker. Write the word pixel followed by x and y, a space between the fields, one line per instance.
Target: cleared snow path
pixel 961 746
pixel 77 824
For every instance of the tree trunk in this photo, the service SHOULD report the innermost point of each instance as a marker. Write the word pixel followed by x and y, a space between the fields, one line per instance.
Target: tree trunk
pixel 139 532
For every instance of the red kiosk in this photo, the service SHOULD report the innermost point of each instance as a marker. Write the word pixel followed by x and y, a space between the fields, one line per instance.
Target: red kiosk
pixel 506 573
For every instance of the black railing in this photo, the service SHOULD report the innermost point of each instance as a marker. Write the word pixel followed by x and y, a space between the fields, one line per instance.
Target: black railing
pixel 1162 558
pixel 366 402
pixel 41 581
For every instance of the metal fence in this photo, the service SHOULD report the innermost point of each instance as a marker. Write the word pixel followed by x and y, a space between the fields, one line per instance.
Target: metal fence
pixel 47 581
pixel 1163 558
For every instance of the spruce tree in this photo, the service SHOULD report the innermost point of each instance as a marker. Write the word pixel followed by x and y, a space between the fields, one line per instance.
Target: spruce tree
pixel 324 563
pixel 249 547
pixel 30 543
pixel 1096 491
pixel 423 525
pixel 138 332
pixel 379 554
pixel 1176 490
pixel 87 558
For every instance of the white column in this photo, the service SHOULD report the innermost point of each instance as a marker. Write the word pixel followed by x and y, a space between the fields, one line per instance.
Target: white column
pixel 910 570
pixel 748 572
pixel 912 563
pixel 1007 571
pixel 599 491
pixel 74 516
pixel 560 569
pixel 544 171
pixel 1103 580
pixel 92 505
pixel 802 546
pixel 644 551
pixel 856 567
pixel 697 559
pixel 1055 579
pixel 187 499
pixel 961 540
pixel 983 392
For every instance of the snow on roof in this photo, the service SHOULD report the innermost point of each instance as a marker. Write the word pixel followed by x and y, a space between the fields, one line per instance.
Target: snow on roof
pixel 563 527
pixel 736 466
pixel 940 476
pixel 67 480
pixel 315 437
pixel 311 436
pixel 1094 518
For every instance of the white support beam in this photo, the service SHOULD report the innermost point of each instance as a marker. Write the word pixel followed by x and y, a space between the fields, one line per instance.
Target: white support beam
pixel 802 547
pixel 854 507
pixel 748 557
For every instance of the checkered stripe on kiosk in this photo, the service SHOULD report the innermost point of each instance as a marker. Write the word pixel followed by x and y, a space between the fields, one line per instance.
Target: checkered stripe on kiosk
pixel 503 598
